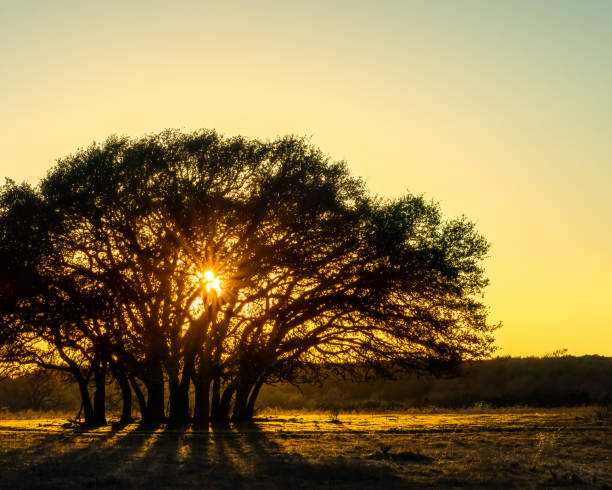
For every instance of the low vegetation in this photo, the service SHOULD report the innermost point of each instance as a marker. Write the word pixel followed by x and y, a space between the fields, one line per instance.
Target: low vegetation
pixel 497 449
pixel 500 382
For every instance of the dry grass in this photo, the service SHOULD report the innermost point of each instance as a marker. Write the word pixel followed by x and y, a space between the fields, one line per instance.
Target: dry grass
pixel 494 449
pixel 36 415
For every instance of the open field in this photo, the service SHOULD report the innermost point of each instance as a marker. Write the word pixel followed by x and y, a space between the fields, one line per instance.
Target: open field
pixel 510 448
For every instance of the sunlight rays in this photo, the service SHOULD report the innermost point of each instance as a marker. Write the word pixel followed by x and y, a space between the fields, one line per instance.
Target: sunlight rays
pixel 210 281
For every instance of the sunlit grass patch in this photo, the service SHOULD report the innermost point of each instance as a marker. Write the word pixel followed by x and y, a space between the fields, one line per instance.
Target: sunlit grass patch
pixel 518 449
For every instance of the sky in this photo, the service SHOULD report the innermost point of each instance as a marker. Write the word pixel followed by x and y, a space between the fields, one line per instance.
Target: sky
pixel 498 110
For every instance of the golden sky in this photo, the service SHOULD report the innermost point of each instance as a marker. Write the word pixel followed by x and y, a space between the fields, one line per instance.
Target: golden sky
pixel 501 111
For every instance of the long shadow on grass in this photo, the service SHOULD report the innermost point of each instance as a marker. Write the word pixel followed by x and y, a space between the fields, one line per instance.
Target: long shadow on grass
pixel 38 450
pixel 74 458
pixel 173 457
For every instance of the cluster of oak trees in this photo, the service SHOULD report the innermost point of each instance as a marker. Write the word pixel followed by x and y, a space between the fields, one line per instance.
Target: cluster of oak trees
pixel 178 263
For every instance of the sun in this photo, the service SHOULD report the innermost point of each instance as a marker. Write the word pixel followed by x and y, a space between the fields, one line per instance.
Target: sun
pixel 211 282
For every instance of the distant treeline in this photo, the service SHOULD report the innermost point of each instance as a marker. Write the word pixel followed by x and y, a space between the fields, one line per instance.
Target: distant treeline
pixel 499 382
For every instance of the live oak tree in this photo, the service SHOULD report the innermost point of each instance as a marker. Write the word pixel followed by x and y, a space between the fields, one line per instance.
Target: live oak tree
pixel 50 320
pixel 190 260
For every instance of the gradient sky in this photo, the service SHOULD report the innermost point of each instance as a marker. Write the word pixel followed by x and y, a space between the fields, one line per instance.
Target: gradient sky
pixel 501 111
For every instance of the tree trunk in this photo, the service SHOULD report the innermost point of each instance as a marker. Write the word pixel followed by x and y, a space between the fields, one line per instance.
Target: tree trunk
pixel 201 409
pixel 215 399
pixel 142 403
pixel 155 412
pixel 99 407
pixel 126 394
pixel 179 393
pixel 88 412
pixel 253 397
pixel 240 404
pixel 179 402
pixel 222 415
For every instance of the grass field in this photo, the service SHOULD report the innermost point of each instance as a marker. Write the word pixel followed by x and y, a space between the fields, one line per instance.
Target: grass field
pixel 494 449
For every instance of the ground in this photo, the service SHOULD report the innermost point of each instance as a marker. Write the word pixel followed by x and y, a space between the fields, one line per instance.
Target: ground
pixel 494 449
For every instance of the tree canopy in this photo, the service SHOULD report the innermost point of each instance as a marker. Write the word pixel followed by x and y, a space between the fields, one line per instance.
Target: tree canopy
pixel 182 260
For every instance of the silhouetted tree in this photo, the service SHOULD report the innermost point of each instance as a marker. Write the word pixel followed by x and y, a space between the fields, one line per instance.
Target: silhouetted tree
pixel 47 317
pixel 308 270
